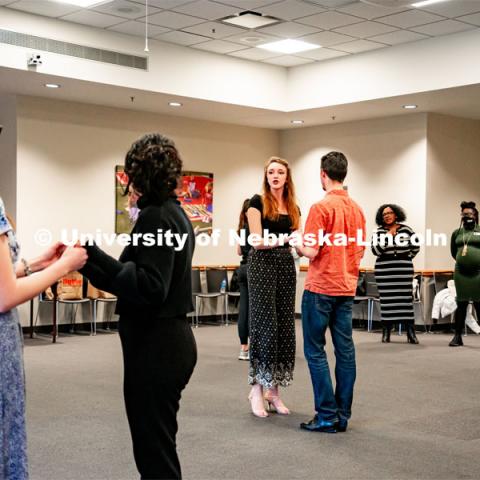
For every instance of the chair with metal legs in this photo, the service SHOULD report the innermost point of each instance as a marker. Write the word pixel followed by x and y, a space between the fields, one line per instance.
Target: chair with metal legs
pixel 217 287
pixel 106 302
pixel 214 279
pixel 371 292
pixel 440 282
pixel 72 306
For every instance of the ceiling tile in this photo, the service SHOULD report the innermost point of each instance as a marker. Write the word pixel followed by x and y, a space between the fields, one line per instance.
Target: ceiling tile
pixel 218 46
pixel 164 4
pixel 291 9
pixel 444 27
pixel 365 29
pixel 92 19
pixel 330 3
pixel 138 28
pixel 397 37
pixel 359 46
pixel 455 8
pixel 252 38
pixel 367 11
pixel 181 38
pixel 329 20
pixel 173 20
pixel 42 7
pixel 214 30
pixel 409 19
pixel 207 9
pixel 247 4
pixel 327 39
pixel 125 9
pixel 322 54
pixel 290 29
pixel 255 54
pixel 474 19
pixel 288 61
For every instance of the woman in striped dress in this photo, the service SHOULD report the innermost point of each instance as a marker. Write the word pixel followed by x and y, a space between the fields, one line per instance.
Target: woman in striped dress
pixel 392 244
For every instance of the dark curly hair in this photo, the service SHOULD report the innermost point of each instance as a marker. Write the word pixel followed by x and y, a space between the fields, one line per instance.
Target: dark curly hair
pixel 153 167
pixel 398 211
pixel 471 205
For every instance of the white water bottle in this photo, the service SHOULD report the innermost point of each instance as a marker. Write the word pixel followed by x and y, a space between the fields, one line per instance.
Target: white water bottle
pixel 223 286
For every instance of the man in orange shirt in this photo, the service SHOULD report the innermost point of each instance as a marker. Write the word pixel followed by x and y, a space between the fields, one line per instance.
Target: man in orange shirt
pixel 338 225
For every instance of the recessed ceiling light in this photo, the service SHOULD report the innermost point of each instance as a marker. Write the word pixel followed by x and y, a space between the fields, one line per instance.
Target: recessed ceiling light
pixel 424 3
pixel 83 3
pixel 410 107
pixel 297 122
pixel 250 20
pixel 52 85
pixel 175 104
pixel 288 46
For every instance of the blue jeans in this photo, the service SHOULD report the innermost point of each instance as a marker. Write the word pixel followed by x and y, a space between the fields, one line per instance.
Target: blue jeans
pixel 319 312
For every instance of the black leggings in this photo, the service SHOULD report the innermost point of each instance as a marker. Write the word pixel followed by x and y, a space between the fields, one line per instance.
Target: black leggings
pixel 461 314
pixel 159 356
pixel 243 308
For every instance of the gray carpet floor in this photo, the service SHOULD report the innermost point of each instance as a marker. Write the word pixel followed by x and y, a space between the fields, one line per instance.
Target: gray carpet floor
pixel 416 413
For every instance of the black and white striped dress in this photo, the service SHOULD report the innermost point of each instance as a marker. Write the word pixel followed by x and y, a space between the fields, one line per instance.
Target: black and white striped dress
pixel 394 275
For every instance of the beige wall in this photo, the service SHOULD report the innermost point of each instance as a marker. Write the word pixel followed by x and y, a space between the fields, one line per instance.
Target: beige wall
pixel 67 153
pixel 453 172
pixel 387 163
pixel 8 153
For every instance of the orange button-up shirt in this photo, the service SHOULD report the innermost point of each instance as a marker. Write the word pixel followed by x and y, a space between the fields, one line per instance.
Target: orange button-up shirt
pixel 334 271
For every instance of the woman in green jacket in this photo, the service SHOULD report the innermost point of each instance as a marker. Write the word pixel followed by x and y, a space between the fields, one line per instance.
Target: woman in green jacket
pixel 465 248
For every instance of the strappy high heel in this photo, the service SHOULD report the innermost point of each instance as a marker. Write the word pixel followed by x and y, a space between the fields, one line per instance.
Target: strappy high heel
pixel 257 403
pixel 275 402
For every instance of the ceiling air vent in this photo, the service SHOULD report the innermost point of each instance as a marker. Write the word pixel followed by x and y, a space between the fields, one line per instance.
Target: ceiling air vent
pixel 72 50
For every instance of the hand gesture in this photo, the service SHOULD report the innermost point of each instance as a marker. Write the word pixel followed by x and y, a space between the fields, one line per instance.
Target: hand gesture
pixel 50 255
pixel 74 257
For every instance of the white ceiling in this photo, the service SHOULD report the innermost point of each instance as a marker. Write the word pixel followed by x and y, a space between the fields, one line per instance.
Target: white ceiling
pixel 341 27
pixel 458 101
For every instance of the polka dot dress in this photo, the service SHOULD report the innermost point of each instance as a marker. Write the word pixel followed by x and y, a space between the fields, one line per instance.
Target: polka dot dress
pixel 271 283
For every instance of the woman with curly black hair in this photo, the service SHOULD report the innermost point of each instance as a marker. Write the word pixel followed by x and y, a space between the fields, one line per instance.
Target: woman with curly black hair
pixel 465 249
pixel 392 244
pixel 153 286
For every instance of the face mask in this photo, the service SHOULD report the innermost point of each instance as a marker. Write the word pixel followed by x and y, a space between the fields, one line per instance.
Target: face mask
pixel 133 213
pixel 468 222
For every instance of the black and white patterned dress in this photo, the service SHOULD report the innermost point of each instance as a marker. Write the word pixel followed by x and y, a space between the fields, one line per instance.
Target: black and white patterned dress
pixel 394 275
pixel 271 283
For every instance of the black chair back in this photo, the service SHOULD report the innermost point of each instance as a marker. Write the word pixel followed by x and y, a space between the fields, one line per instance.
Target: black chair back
pixel 440 281
pixel 196 282
pixel 215 277
pixel 371 289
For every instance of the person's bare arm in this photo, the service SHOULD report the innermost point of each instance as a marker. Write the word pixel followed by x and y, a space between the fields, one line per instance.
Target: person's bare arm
pixel 14 292
pixel 49 256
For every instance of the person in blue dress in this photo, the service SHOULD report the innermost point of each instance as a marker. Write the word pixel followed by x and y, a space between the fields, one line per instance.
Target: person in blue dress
pixel 15 289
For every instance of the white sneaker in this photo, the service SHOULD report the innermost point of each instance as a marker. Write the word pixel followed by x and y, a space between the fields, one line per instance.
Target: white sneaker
pixel 244 355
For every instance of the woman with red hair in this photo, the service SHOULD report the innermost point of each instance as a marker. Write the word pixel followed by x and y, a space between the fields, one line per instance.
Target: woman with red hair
pixel 271 281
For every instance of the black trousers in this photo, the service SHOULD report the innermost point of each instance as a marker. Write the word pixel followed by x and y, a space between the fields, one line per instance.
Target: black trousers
pixel 159 356
pixel 271 281
pixel 243 308
pixel 461 314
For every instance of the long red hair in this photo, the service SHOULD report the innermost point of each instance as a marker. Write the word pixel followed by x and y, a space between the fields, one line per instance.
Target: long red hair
pixel 270 204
